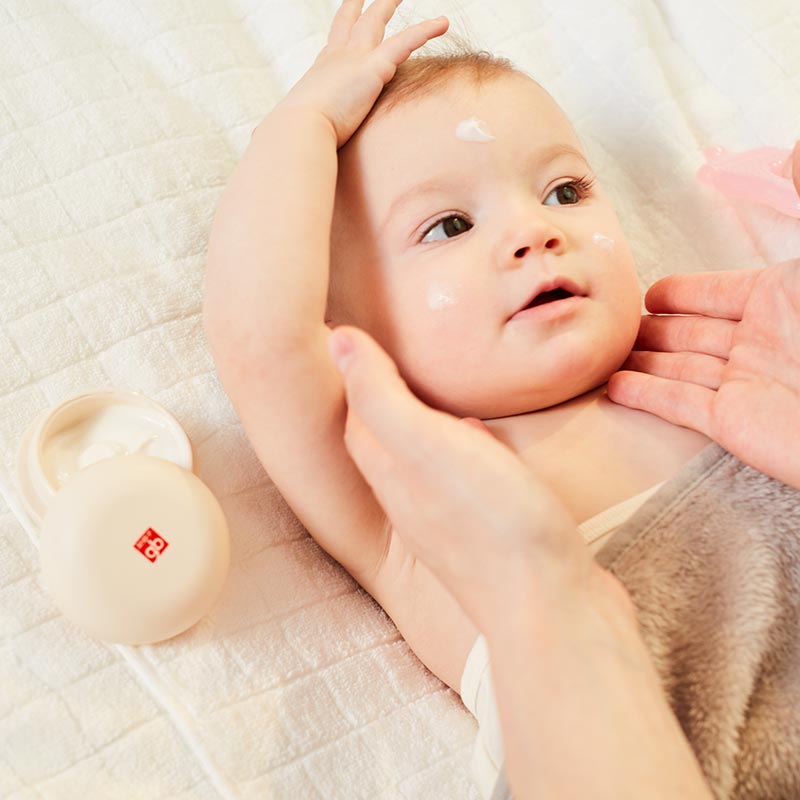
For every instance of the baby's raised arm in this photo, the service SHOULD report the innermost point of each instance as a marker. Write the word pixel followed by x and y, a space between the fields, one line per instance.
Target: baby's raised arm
pixel 267 282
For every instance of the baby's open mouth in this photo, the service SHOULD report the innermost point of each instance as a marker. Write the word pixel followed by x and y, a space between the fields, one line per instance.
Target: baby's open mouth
pixel 548 297
pixel 551 291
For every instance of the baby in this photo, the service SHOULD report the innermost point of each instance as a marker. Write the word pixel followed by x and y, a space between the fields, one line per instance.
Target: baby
pixel 446 206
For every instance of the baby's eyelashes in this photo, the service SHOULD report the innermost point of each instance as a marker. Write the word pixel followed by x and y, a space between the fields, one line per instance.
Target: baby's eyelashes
pixel 571 193
pixel 446 228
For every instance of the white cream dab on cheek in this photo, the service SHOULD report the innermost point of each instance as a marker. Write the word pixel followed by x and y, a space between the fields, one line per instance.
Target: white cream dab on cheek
pixel 441 297
pixel 603 242
pixel 473 130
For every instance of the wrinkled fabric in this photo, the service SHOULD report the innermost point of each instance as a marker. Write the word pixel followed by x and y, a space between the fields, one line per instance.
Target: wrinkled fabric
pixel 712 563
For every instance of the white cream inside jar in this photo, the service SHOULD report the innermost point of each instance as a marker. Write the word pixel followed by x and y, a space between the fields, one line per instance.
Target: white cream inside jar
pixel 92 431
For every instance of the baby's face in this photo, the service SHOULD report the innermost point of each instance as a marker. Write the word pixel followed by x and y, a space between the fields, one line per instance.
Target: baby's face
pixel 441 238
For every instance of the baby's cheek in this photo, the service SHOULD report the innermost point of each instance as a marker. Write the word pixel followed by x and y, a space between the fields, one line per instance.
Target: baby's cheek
pixel 629 304
pixel 629 275
pixel 616 281
pixel 611 248
pixel 443 295
pixel 433 322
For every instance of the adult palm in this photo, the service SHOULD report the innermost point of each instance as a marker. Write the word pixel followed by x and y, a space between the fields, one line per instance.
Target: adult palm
pixel 731 369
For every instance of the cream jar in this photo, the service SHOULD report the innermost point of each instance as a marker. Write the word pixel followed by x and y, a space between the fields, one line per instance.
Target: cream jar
pixel 134 547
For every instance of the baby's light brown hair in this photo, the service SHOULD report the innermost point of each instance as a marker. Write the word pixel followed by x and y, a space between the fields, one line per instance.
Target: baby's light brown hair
pixel 422 75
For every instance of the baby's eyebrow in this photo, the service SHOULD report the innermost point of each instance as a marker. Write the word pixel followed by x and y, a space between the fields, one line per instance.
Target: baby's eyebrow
pixel 431 186
pixel 554 151
pixel 439 185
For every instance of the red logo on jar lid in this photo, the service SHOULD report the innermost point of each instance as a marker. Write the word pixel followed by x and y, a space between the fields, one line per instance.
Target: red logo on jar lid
pixel 151 545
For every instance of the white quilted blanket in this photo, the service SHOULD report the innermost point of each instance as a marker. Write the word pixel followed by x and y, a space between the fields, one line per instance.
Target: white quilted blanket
pixel 120 121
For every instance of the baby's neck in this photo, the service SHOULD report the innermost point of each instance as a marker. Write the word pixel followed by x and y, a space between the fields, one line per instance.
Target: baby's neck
pixel 594 453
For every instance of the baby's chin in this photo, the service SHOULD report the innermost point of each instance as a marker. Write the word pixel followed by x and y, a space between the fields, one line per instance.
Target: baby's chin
pixel 490 404
pixel 488 396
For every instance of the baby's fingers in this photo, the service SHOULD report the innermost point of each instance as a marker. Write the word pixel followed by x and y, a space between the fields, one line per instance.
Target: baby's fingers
pixel 371 27
pixel 343 21
pixel 399 47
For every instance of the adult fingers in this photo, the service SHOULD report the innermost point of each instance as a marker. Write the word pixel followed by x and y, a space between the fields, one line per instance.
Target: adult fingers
pixel 387 477
pixel 696 368
pixel 720 294
pixel 344 19
pixel 399 47
pixel 377 394
pixel 419 441
pixel 382 430
pixel 428 470
pixel 684 404
pixel 686 335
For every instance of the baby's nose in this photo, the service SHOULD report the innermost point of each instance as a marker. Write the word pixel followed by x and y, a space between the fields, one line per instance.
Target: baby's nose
pixel 551 243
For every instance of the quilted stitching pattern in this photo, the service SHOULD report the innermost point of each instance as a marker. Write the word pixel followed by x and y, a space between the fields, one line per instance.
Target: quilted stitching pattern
pixel 119 124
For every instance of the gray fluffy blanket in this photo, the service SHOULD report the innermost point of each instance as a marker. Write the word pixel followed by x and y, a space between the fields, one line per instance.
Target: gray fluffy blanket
pixel 712 562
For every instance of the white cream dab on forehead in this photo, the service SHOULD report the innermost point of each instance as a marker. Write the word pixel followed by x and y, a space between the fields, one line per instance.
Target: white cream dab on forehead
pixel 473 130
pixel 603 242
pixel 441 297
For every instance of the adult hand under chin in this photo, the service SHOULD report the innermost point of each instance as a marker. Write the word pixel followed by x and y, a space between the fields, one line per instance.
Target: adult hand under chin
pixel 461 501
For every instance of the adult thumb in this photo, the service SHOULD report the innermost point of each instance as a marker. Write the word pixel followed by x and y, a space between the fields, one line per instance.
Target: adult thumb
pixel 375 391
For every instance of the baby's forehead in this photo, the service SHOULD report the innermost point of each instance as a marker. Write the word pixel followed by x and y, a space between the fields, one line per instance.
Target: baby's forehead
pixel 511 91
pixel 505 111
pixel 509 101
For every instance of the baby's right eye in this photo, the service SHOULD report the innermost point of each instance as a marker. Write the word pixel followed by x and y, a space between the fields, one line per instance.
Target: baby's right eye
pixel 447 228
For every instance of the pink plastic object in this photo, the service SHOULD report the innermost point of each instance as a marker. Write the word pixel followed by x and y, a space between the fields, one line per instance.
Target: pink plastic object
pixel 762 175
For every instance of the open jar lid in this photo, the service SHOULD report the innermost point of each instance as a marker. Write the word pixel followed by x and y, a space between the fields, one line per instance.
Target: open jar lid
pixel 134 547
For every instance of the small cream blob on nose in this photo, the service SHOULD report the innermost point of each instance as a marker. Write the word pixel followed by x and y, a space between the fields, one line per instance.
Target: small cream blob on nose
pixel 603 242
pixel 441 297
pixel 473 130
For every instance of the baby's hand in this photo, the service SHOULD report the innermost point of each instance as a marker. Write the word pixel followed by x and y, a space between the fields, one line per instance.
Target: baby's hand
pixel 356 63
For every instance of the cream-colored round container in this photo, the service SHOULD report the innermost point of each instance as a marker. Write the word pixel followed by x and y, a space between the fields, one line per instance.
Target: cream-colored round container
pixel 134 547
